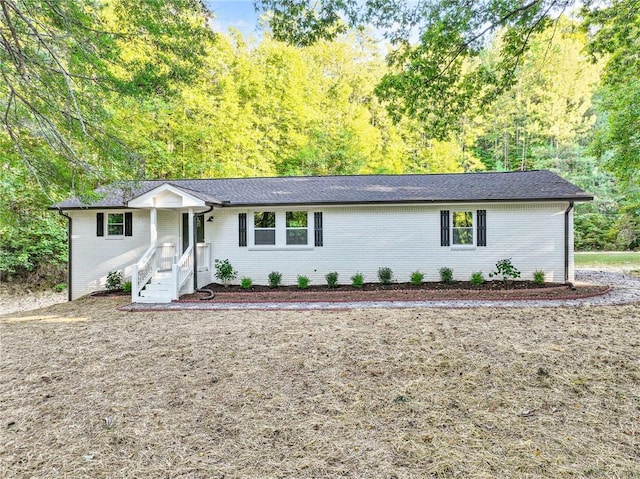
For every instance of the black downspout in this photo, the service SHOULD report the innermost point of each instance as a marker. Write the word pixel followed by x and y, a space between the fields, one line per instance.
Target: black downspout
pixel 70 257
pixel 566 242
pixel 195 247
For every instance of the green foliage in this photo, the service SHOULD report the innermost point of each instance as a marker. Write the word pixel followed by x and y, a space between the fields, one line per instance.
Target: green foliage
pixel 114 281
pixel 385 275
pixel 506 270
pixel 357 280
pixel 303 282
pixel 538 277
pixel 224 271
pixel 446 275
pixel 60 287
pixel 274 279
pixel 246 283
pixel 126 287
pixel 332 279
pixel 477 278
pixel 417 277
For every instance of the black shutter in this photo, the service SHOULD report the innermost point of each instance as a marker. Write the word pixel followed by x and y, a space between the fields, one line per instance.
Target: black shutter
pixel 128 224
pixel 242 229
pixel 481 216
pixel 99 224
pixel 317 228
pixel 444 228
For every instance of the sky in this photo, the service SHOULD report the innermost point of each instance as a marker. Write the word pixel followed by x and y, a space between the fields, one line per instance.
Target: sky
pixel 238 14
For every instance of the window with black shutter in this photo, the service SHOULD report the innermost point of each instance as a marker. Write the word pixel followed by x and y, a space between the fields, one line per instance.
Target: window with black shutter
pixel 128 224
pixel 99 224
pixel 317 228
pixel 242 229
pixel 444 228
pixel 481 216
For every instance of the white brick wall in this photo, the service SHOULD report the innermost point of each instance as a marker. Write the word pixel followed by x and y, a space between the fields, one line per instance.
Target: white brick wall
pixel 94 257
pixel 404 238
pixel 356 239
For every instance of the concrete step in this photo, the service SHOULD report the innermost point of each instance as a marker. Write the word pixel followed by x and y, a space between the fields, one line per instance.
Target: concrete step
pixel 153 299
pixel 160 288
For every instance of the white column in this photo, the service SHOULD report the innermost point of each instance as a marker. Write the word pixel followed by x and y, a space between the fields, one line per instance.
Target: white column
pixel 191 238
pixel 153 226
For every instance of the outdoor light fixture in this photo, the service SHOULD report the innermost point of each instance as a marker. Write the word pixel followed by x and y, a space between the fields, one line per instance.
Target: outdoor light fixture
pixel 210 219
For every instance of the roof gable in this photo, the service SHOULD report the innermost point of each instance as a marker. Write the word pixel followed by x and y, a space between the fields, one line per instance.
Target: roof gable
pixel 169 196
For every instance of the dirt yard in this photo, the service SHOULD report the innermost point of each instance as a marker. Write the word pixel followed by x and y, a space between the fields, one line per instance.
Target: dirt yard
pixel 87 391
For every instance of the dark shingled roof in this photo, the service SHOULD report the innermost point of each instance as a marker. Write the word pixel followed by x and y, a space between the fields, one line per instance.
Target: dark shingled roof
pixel 360 189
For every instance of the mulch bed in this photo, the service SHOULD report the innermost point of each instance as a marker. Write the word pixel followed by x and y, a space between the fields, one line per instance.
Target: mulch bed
pixel 431 291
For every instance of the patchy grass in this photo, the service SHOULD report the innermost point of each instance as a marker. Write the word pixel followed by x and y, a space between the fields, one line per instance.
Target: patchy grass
pixel 616 259
pixel 88 391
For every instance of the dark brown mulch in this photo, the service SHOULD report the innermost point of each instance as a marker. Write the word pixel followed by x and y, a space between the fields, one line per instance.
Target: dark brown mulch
pixel 432 291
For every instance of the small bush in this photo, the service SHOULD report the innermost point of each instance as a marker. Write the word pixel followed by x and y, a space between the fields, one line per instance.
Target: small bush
pixel 446 275
pixel 505 268
pixel 385 275
pixel 60 287
pixel 357 280
pixel 224 271
pixel 274 279
pixel 114 280
pixel 332 279
pixel 477 278
pixel 246 283
pixel 538 277
pixel 126 287
pixel 303 282
pixel 417 277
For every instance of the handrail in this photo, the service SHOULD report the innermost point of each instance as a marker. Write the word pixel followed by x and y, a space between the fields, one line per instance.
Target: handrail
pixel 142 271
pixel 182 270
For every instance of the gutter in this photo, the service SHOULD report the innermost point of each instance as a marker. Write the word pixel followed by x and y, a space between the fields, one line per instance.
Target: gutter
pixel 566 241
pixel 69 250
pixel 195 249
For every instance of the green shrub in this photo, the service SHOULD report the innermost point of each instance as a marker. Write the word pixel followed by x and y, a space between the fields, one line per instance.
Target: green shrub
pixel 114 281
pixel 538 277
pixel 417 277
pixel 224 271
pixel 246 283
pixel 446 275
pixel 60 287
pixel 505 268
pixel 357 280
pixel 332 279
pixel 303 282
pixel 477 278
pixel 385 275
pixel 274 279
pixel 126 287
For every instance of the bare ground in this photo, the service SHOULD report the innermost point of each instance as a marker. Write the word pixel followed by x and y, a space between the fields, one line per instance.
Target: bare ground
pixel 87 391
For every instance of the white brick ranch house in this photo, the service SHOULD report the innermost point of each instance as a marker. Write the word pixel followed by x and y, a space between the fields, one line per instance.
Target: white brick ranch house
pixel 165 235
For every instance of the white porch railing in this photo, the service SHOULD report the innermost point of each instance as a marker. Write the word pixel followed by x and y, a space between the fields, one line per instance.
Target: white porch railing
pixel 182 270
pixel 167 256
pixel 204 256
pixel 142 271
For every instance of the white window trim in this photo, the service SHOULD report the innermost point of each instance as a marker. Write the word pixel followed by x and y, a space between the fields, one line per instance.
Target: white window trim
pixel 281 232
pixel 474 239
pixel 106 225
pixel 254 229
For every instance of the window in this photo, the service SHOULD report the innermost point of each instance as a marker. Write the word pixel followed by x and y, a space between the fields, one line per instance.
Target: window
pixel 296 227
pixel 462 228
pixel 264 226
pixel 115 224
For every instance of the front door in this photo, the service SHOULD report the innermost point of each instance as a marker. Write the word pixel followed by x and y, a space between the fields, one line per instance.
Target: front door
pixel 199 227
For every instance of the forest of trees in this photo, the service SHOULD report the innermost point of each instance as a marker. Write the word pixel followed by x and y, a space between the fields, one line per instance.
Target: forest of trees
pixel 91 93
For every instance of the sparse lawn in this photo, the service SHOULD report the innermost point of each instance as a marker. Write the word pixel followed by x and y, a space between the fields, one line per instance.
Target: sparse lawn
pixel 618 259
pixel 87 391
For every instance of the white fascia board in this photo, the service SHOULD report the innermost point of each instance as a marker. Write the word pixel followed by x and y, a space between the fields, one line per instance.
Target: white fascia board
pixel 158 198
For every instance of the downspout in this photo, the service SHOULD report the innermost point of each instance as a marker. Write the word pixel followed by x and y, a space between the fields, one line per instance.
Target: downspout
pixel 566 241
pixel 70 257
pixel 195 248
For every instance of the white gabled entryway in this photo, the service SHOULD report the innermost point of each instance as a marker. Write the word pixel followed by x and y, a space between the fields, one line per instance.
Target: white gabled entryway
pixel 162 274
